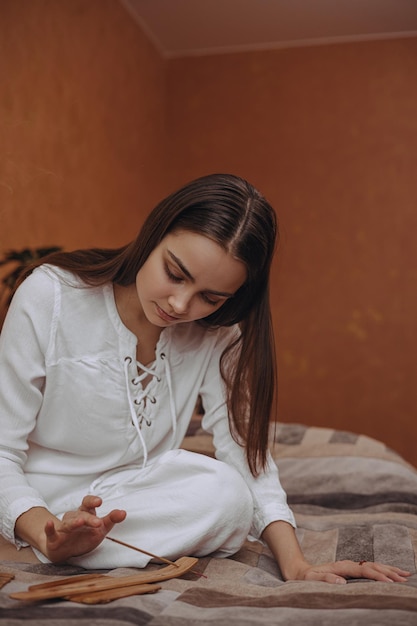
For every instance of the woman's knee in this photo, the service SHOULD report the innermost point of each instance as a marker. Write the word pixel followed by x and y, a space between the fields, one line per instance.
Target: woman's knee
pixel 227 492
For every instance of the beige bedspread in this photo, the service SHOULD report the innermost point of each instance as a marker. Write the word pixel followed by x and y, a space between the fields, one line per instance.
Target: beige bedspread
pixel 353 499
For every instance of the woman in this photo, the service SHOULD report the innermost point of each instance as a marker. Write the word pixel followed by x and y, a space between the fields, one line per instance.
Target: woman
pixel 104 354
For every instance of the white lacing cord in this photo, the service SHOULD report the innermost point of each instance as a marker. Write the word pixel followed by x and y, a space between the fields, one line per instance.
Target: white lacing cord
pixel 143 394
pixel 140 399
pixel 133 414
pixel 171 395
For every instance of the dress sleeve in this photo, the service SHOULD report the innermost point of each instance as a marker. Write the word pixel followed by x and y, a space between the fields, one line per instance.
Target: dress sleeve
pixel 24 342
pixel 270 499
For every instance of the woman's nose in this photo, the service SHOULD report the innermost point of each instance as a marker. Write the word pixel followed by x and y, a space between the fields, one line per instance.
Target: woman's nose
pixel 179 302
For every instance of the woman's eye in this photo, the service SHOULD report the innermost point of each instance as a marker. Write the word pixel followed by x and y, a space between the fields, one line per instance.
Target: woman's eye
pixel 209 300
pixel 174 277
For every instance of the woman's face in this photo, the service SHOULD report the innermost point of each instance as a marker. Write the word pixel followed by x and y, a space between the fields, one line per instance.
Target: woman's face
pixel 187 277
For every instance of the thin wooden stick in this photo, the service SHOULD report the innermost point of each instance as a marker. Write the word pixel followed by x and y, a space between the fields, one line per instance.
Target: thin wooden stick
pixel 154 556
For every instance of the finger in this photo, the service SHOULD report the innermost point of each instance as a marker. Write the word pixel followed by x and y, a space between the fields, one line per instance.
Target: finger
pixel 394 570
pixel 90 503
pixel 117 516
pixel 367 569
pixel 114 517
pixel 335 580
pixel 49 529
pixel 328 577
pixel 402 572
pixel 395 576
pixel 383 573
pixel 86 519
pixel 325 573
pixel 75 520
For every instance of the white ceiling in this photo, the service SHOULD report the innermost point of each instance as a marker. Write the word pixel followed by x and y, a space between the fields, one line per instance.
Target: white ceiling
pixel 195 27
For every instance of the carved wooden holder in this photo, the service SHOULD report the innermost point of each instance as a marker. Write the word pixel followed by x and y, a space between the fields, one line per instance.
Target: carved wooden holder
pixel 5 578
pixel 101 588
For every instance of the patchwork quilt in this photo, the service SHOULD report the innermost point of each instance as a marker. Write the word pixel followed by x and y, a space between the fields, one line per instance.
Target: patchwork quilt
pixel 353 498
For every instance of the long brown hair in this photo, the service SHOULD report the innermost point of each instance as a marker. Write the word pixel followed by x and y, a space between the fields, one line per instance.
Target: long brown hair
pixel 231 212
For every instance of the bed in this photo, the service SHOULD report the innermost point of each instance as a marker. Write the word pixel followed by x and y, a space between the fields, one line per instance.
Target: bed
pixel 353 498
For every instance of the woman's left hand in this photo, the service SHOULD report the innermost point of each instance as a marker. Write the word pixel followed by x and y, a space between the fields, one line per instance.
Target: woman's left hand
pixel 282 541
pixel 339 571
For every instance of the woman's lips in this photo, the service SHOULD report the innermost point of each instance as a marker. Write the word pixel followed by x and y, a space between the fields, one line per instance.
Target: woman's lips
pixel 165 316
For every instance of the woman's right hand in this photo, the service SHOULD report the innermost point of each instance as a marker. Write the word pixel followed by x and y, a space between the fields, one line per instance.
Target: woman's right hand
pixel 79 531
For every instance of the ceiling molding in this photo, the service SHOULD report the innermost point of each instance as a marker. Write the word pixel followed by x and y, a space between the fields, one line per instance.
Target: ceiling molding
pixel 190 28
pixel 282 45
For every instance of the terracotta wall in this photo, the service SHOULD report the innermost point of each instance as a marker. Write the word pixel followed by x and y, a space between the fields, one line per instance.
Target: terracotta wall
pixel 330 135
pixel 81 123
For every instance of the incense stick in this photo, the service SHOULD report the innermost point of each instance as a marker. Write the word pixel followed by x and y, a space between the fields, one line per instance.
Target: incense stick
pixel 154 556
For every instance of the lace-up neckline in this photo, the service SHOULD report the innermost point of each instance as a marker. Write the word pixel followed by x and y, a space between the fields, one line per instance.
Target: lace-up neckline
pixel 139 395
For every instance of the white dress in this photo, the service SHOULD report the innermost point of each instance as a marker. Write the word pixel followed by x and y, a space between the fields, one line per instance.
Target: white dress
pixel 76 419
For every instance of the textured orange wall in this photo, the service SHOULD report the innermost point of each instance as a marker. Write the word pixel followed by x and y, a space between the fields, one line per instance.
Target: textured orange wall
pixel 330 135
pixel 81 123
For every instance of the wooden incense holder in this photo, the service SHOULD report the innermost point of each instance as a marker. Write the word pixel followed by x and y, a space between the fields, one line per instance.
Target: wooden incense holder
pixel 100 588
pixel 5 578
